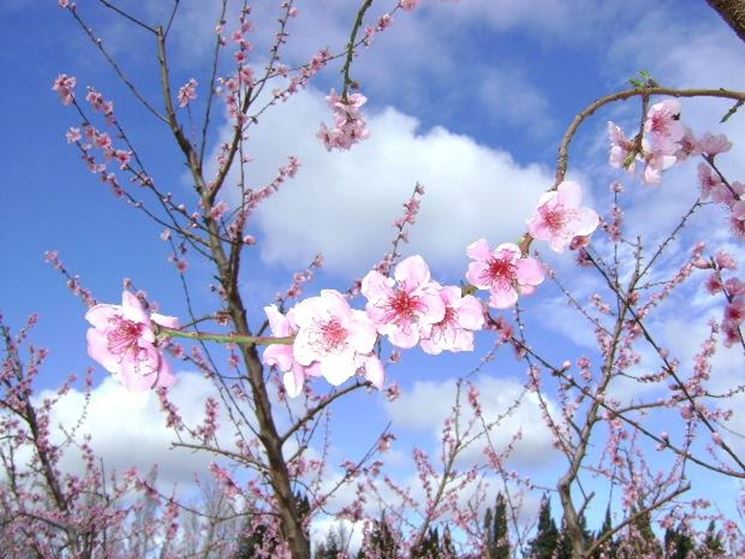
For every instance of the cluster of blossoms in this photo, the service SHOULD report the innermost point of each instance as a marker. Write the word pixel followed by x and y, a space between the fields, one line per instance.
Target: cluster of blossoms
pixel 665 141
pixel 334 341
pixel 187 93
pixel 410 308
pixel 733 290
pixel 324 337
pixel 349 126
pixel 65 86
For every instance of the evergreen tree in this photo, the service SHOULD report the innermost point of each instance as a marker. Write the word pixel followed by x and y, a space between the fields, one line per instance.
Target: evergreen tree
pixel 255 539
pixel 545 542
pixel 609 548
pixel 640 540
pixel 429 547
pixel 564 548
pixel 712 545
pixel 330 549
pixel 496 533
pixel 678 544
pixel 501 531
pixel 447 549
pixel 381 543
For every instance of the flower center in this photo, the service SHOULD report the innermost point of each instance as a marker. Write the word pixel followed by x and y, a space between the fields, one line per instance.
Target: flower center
pixel 403 307
pixel 554 218
pixel 124 336
pixel 500 272
pixel 333 334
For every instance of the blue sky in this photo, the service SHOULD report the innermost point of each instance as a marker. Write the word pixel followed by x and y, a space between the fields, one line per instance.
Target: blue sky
pixel 468 97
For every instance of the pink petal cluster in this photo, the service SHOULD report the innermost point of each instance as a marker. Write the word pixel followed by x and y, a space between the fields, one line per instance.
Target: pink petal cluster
pixel 341 340
pixel 404 307
pixel 663 127
pixel 463 316
pixel 712 145
pixel 409 4
pixel 123 341
pixel 187 92
pixel 621 148
pixel 504 272
pixel 282 356
pixel 331 340
pixel 65 86
pixel 666 142
pixel 559 217
pixel 349 126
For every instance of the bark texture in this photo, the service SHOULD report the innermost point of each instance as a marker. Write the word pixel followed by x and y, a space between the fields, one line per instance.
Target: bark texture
pixel 733 12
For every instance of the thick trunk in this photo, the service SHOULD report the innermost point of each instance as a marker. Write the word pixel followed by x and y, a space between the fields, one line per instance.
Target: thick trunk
pixel 733 12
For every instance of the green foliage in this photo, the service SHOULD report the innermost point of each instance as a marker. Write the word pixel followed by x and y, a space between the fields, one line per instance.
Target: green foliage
pixel 546 540
pixel 497 544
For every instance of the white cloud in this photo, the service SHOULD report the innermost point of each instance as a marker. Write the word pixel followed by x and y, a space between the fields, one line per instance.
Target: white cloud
pixel 429 403
pixel 128 428
pixel 344 204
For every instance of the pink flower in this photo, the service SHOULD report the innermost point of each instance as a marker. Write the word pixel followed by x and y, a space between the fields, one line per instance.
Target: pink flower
pixel 735 311
pixel 187 92
pixel 559 217
pixel 73 135
pixel 657 162
pixel 339 339
pixel 281 355
pixel 123 341
pixel 463 316
pixel 350 127
pixel 404 309
pixel 714 145
pixel 663 126
pixel 711 184
pixel 620 148
pixel 65 85
pixel 688 145
pixel 409 4
pixel 504 272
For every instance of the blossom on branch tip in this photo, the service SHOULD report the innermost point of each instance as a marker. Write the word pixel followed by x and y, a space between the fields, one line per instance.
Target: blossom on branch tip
pixel 123 341
pixel 65 86
pixel 663 126
pixel 559 217
pixel 621 148
pixel 712 145
pixel 404 307
pixel 187 92
pixel 504 272
pixel 349 126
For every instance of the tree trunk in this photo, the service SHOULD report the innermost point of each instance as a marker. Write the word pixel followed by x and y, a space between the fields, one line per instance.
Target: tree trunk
pixel 733 12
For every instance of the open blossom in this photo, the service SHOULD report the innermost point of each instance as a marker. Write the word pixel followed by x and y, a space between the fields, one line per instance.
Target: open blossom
pixel 620 148
pixel 65 86
pixel 349 126
pixel 657 161
pixel 463 316
pixel 187 92
pixel 123 341
pixel 281 355
pixel 559 217
pixel 663 127
pixel 409 4
pixel 404 308
pixel 341 340
pixel 503 271
pixel 712 145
